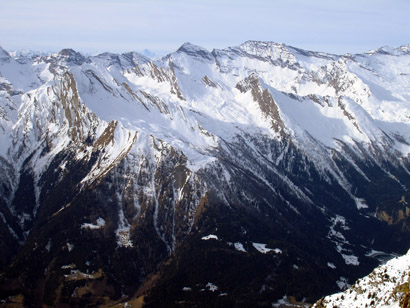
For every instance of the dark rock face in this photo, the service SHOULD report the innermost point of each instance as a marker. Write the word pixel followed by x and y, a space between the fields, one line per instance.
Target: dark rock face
pixel 72 56
pixel 265 100
pixel 64 263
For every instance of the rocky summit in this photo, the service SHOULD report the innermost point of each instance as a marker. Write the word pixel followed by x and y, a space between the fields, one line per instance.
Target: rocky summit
pixel 250 176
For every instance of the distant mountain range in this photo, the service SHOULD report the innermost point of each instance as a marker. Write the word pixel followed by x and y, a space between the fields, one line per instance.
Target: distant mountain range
pixel 250 176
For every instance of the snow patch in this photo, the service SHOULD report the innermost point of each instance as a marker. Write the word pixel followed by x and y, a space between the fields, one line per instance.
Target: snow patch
pixel 263 249
pixel 99 224
pixel 211 287
pixel 210 237
pixel 238 246
pixel 342 283
pixel 286 301
pixel 123 230
pixel 48 246
pixel 351 259
pixel 331 265
pixel 361 203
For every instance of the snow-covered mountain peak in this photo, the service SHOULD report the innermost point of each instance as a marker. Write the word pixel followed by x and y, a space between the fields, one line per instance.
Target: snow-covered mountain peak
pixel 4 55
pixel 194 51
pixel 137 57
pixel 27 53
pixel 391 51
pixel 72 57
pixel 255 47
pixel 269 50
pixel 280 51
pixel 193 97
pixel 405 48
pixel 149 54
pixel 122 61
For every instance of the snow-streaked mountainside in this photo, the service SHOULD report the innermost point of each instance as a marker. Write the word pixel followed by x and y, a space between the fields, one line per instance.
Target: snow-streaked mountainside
pixel 117 164
pixel 387 286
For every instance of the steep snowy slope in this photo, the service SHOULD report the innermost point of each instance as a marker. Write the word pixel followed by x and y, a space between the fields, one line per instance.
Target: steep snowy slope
pixel 117 166
pixel 386 286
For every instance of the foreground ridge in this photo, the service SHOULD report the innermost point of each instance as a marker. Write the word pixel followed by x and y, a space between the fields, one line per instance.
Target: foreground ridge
pixel 386 286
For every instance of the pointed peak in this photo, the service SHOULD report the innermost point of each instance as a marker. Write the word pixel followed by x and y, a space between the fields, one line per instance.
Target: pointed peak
pixel 405 48
pixel 4 55
pixel 194 51
pixel 72 56
pixel 68 52
pixel 187 46
pixel 386 50
pixel 392 51
pixel 149 54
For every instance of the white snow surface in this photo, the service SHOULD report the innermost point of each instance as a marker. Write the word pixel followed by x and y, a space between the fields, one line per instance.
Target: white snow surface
pixel 331 265
pixel 348 98
pixel 211 287
pixel 263 249
pixel 380 289
pixel 351 259
pixel 98 225
pixel 209 237
pixel 239 246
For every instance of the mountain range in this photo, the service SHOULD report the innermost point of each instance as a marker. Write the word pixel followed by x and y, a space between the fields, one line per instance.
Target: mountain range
pixel 227 178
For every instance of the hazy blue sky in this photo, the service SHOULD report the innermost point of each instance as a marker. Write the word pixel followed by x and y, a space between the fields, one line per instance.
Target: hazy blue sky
pixel 163 25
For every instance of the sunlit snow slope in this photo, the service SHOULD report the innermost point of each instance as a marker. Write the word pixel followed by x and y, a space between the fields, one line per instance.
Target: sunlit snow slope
pixel 386 286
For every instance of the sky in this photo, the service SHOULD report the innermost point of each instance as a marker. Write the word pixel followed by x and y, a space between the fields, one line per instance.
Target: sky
pixel 93 26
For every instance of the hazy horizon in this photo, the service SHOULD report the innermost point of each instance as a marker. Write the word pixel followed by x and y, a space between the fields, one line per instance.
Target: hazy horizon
pixel 95 26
